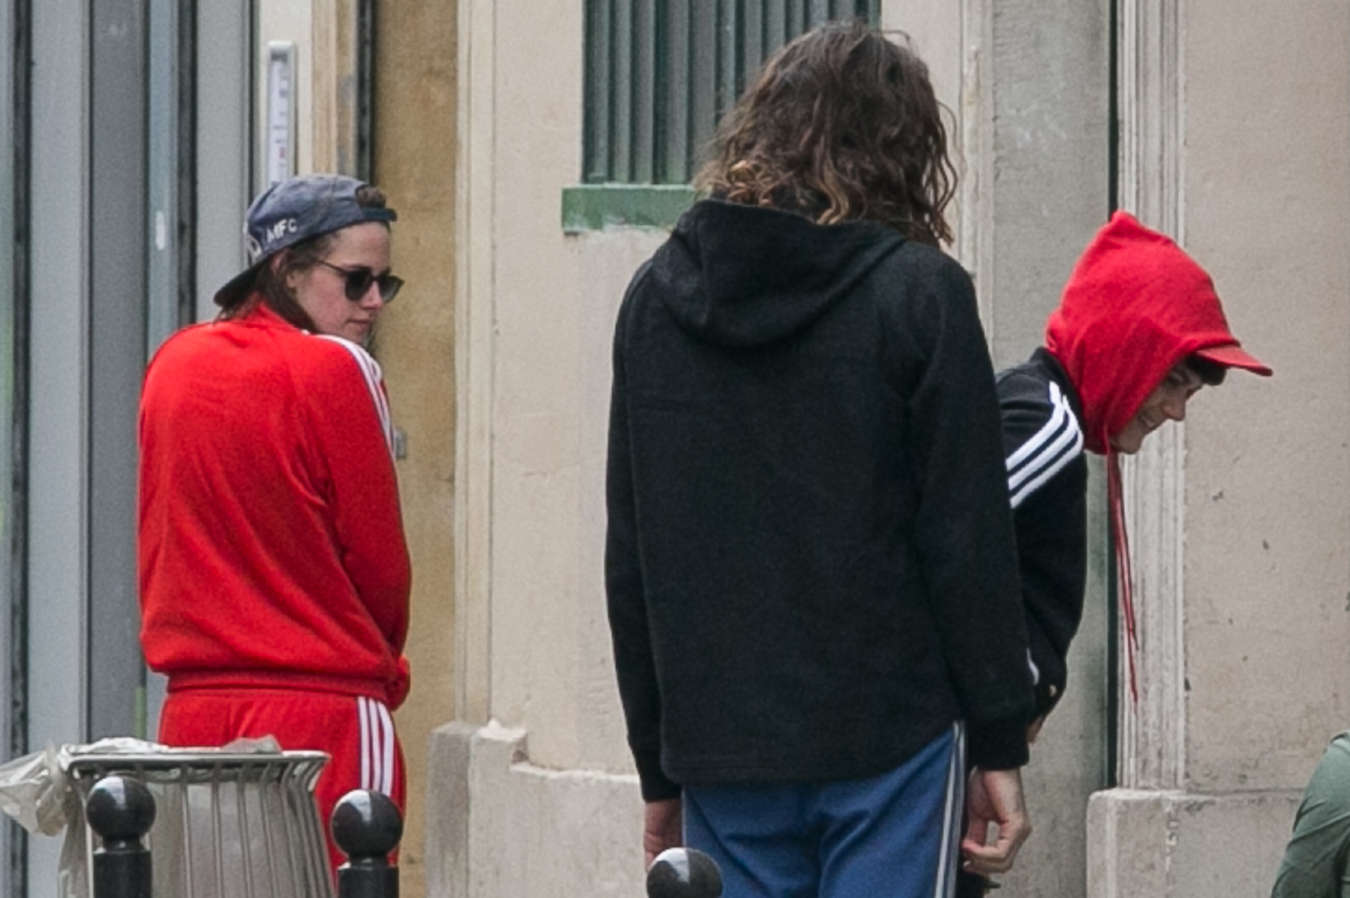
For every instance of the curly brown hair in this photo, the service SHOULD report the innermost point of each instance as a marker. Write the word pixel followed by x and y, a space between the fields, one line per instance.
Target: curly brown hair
pixel 842 123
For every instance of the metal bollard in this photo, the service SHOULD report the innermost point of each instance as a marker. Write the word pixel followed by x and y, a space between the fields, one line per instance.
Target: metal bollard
pixel 121 810
pixel 366 826
pixel 684 873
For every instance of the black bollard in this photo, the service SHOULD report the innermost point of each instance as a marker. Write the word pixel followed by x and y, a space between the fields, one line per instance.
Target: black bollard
pixel 121 809
pixel 366 826
pixel 684 873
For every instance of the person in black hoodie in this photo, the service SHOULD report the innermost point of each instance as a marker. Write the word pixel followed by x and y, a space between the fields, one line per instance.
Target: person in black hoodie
pixel 810 564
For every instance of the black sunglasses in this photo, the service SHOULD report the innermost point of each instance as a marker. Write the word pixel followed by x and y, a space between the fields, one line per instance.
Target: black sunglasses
pixel 357 282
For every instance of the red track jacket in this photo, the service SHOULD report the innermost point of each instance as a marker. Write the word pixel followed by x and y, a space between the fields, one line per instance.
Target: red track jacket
pixel 271 547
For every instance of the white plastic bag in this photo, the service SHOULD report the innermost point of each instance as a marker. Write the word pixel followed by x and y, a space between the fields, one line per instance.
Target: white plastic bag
pixel 33 791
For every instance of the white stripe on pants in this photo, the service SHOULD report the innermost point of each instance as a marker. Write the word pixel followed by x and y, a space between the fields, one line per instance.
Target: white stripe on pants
pixel 377 745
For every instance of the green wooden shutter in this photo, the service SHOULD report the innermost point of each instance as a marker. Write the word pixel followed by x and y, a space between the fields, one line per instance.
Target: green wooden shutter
pixel 659 74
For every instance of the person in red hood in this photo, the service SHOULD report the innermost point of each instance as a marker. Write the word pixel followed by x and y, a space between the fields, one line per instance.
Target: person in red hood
pixel 1138 331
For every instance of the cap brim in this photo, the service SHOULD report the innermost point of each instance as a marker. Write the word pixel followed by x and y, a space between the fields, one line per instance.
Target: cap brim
pixel 1231 355
pixel 236 288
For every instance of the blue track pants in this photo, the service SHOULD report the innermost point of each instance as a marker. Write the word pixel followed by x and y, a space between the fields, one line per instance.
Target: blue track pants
pixel 894 835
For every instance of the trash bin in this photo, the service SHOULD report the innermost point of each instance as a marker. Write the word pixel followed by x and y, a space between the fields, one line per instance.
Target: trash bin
pixel 229 823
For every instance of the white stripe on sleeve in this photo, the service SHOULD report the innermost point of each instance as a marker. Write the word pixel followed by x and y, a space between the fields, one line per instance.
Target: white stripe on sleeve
pixel 1047 430
pixel 374 377
pixel 1047 452
pixel 1054 465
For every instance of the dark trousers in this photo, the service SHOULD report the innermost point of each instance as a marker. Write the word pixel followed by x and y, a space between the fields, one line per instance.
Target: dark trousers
pixel 970 885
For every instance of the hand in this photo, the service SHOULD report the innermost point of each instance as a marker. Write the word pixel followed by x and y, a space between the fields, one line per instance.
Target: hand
pixel 661 828
pixel 994 797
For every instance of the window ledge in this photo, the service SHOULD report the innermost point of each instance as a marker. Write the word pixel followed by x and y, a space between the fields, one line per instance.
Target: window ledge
pixel 597 207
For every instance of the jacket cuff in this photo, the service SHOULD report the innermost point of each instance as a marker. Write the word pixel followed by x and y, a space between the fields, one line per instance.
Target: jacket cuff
pixel 998 744
pixel 1049 673
pixel 1047 696
pixel 656 786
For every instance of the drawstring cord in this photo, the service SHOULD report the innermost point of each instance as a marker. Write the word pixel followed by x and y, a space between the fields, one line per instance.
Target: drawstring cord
pixel 1115 499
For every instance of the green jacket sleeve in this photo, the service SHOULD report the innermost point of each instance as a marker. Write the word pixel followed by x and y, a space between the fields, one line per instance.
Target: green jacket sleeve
pixel 1314 864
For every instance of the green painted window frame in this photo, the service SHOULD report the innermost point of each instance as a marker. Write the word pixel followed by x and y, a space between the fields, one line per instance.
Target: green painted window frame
pixel 658 75
pixel 595 207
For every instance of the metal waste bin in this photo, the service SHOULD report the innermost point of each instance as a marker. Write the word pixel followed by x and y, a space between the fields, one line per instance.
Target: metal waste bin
pixel 227 824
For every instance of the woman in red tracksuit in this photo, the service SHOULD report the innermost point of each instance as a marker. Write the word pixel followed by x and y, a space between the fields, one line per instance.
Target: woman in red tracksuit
pixel 274 576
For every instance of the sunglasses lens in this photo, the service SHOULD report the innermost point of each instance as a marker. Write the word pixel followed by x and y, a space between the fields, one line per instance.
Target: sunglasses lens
pixel 358 283
pixel 389 286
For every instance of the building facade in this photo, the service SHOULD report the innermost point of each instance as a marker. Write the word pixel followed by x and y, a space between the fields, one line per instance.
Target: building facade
pixel 536 154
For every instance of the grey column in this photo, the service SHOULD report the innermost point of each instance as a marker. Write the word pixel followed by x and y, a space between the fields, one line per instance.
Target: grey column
pixel 58 256
pixel 224 144
pixel 117 333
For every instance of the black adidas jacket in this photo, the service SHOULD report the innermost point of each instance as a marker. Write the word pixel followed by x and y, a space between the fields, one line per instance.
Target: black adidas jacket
pixel 810 562
pixel 1047 486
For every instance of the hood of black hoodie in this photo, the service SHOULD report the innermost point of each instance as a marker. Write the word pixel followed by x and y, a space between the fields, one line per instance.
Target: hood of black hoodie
pixel 742 276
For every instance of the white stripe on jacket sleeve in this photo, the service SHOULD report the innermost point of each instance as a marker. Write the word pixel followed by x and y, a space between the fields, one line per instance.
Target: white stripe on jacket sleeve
pixel 374 377
pixel 1046 453
pixel 1038 439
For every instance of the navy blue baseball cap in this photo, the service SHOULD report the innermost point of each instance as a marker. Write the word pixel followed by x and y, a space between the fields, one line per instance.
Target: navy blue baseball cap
pixel 294 210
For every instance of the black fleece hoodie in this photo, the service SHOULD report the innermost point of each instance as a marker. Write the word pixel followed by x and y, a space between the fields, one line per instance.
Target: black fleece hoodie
pixel 810 559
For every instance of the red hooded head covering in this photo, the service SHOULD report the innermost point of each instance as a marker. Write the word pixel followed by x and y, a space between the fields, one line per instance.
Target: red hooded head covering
pixel 1134 306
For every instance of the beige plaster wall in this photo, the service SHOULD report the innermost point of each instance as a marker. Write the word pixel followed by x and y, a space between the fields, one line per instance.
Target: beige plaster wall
pixel 414 162
pixel 934 31
pixel 553 300
pixel 1267 527
pixel 526 830
pixel 1166 844
pixel 530 794
pixel 552 668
